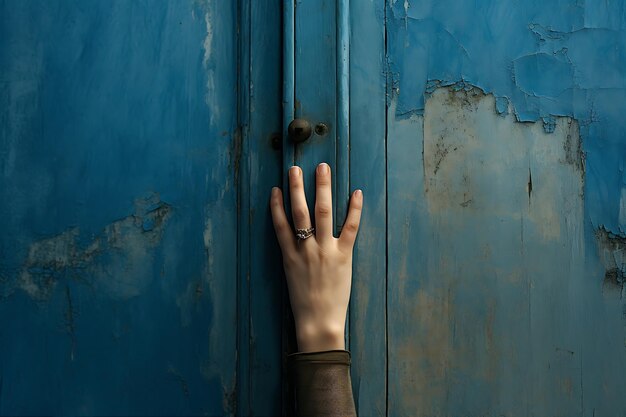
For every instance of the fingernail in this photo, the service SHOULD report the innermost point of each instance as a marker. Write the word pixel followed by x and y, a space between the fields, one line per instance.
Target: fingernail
pixel 294 171
pixel 322 168
pixel 274 191
pixel 359 193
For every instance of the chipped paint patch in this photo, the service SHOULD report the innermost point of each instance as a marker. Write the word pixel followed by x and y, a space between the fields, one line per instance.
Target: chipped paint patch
pixel 221 315
pixel 613 257
pixel 117 260
pixel 478 159
pixel 209 64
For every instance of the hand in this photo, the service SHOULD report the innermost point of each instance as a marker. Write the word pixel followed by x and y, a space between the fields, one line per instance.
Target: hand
pixel 319 268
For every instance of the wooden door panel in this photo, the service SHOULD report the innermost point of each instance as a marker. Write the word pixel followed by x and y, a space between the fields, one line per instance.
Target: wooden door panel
pixel 504 296
pixel 118 207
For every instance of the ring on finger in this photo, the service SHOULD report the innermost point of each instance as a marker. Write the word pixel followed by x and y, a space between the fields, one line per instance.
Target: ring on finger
pixel 303 234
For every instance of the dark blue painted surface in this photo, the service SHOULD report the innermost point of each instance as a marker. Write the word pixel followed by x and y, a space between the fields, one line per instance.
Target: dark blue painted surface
pixel 118 207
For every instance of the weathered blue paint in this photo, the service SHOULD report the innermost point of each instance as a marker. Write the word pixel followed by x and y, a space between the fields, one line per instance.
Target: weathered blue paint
pixel 548 58
pixel 139 273
pixel 505 225
pixel 118 207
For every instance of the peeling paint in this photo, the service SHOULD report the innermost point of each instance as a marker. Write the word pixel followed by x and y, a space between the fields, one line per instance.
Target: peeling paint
pixel 467 145
pixel 209 64
pixel 481 216
pixel 116 261
pixel 613 256
pixel 546 59
pixel 212 367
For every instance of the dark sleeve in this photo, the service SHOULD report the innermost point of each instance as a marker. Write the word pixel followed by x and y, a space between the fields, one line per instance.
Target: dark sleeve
pixel 321 383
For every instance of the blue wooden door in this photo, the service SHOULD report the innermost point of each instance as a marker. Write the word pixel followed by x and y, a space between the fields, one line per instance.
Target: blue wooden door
pixel 139 273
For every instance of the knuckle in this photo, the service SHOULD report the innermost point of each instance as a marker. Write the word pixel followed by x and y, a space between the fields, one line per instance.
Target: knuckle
pixel 300 214
pixel 323 209
pixel 289 258
pixel 323 180
pixel 295 184
pixel 280 226
pixel 351 227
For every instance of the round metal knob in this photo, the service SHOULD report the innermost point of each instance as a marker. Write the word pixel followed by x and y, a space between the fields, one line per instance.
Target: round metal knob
pixel 299 130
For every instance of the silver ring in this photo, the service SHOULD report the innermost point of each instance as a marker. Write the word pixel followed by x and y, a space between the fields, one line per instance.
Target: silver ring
pixel 302 234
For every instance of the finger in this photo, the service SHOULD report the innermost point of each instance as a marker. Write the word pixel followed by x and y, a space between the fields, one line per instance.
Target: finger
pixel 282 227
pixel 351 227
pixel 323 204
pixel 299 208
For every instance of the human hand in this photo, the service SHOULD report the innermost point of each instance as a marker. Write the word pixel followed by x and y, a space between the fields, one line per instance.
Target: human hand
pixel 318 268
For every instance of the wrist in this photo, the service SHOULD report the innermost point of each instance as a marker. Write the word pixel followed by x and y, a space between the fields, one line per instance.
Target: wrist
pixel 320 338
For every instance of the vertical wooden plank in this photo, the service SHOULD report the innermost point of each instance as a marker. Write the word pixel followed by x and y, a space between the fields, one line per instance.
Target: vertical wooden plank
pixel 289 83
pixel 342 155
pixel 342 169
pixel 368 317
pixel 404 230
pixel 316 86
pixel 220 63
pixel 288 152
pixel 244 201
pixel 265 272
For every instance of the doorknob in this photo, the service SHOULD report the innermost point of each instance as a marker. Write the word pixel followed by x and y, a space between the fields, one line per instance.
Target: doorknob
pixel 299 130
